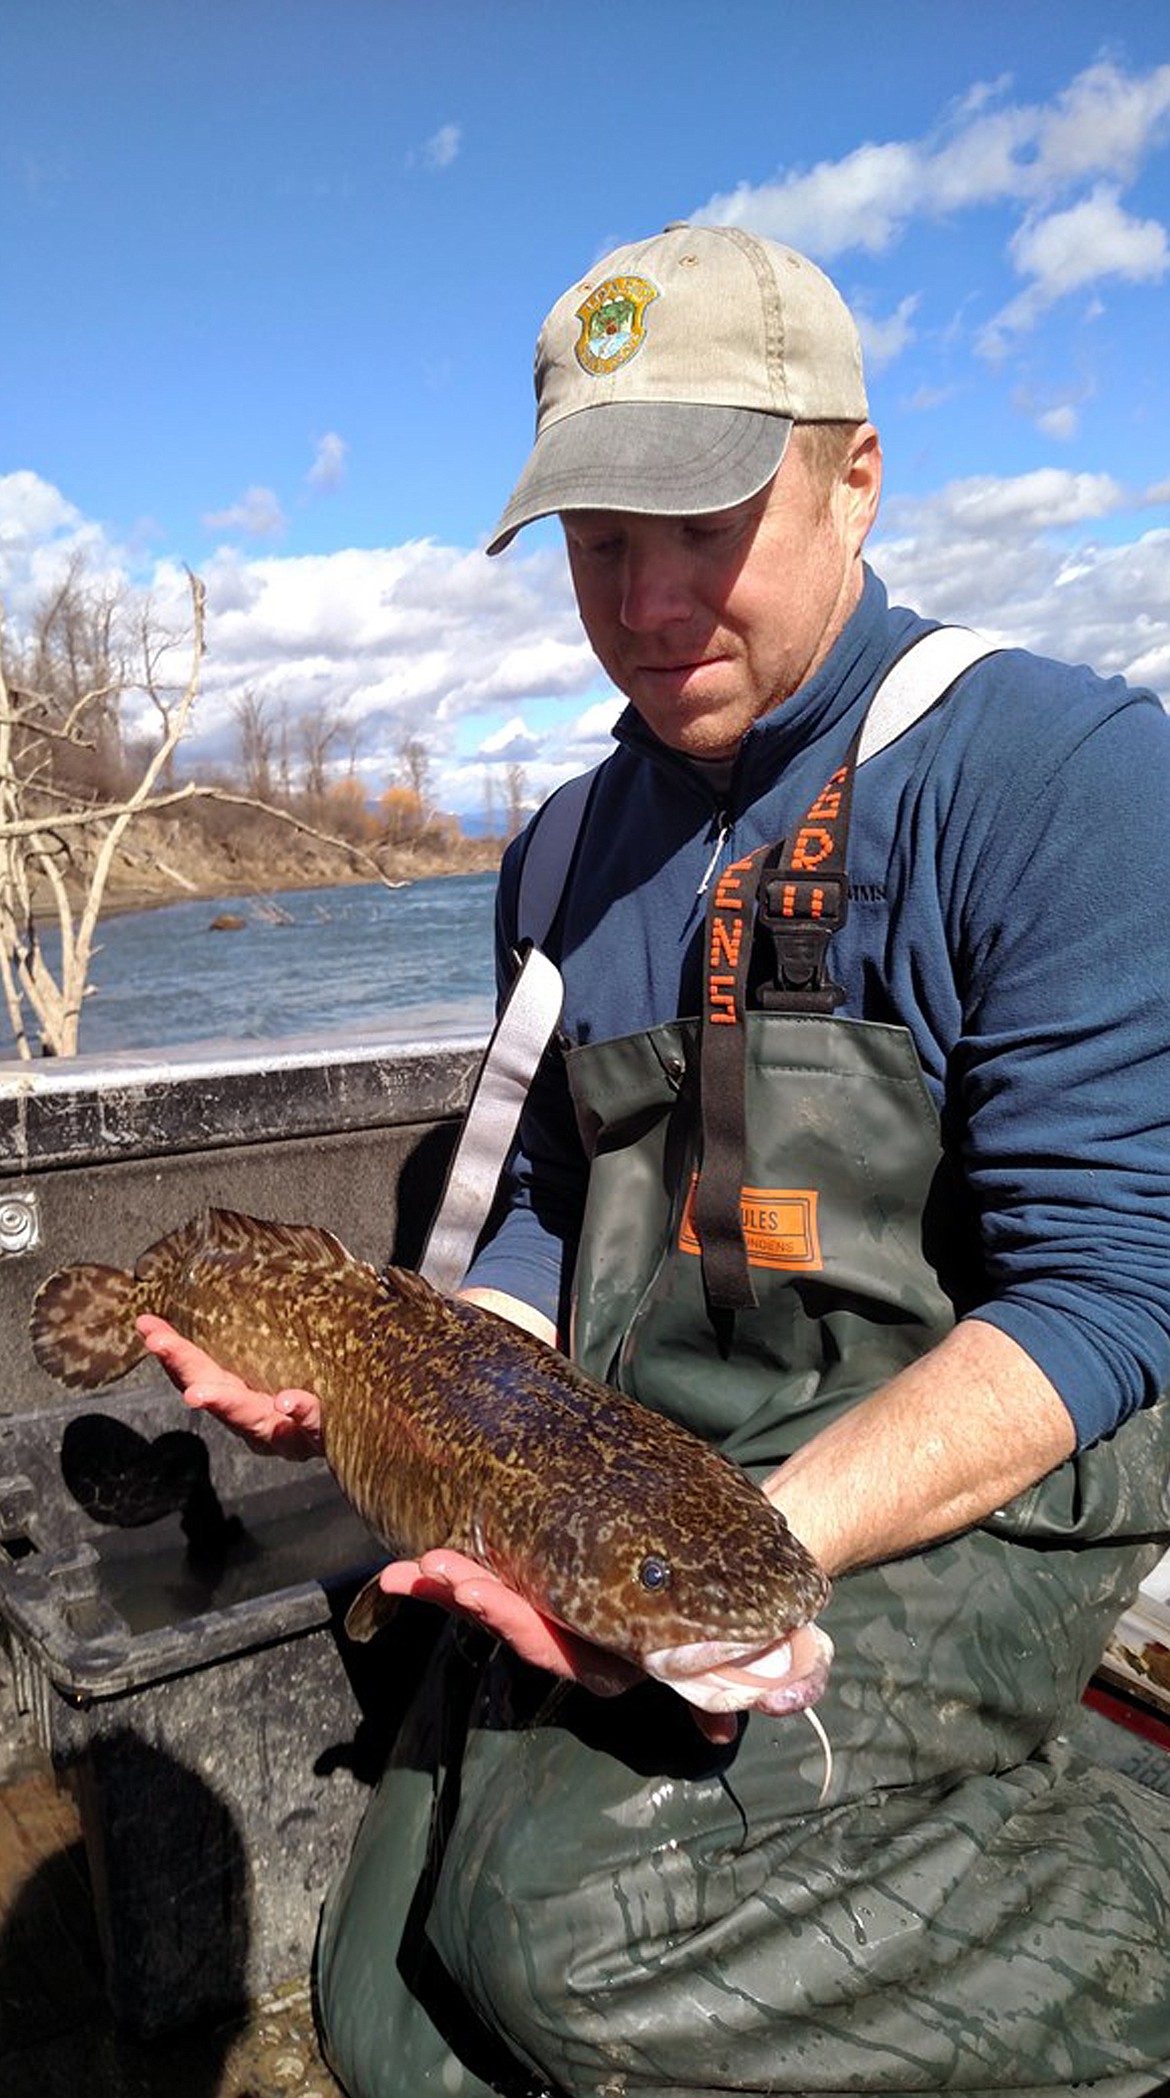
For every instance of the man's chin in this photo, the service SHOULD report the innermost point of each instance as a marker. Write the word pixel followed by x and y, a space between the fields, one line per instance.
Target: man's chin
pixel 694 722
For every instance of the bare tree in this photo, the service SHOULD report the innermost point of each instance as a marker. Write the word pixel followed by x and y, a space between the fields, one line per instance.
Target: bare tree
pixel 48 844
pixel 284 756
pixel 318 733
pixel 401 816
pixel 517 791
pixel 258 741
pixel 73 665
pixel 415 760
pixel 154 645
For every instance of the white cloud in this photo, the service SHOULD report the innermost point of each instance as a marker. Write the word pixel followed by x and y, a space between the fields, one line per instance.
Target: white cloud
pixel 1103 123
pixel 32 509
pixel 328 468
pixel 1061 423
pixel 577 745
pixel 1072 249
pixel 513 743
pixel 412 639
pixel 882 341
pixel 863 201
pixel 1099 128
pixel 440 150
pixel 1044 500
pixel 594 726
pixel 1092 239
pixel 40 534
pixel 993 553
pixel 548 755
pixel 549 664
pixel 257 515
pixel 925 398
pixel 231 585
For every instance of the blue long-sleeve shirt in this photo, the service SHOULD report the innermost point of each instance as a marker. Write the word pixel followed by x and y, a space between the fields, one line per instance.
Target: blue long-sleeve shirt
pixel 1009 861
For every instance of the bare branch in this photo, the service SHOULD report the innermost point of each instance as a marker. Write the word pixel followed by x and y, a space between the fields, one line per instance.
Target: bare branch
pixel 42 841
pixel 142 793
pixel 358 857
pixel 191 790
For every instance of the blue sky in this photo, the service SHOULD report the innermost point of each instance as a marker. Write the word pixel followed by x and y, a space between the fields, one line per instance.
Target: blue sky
pixel 273 270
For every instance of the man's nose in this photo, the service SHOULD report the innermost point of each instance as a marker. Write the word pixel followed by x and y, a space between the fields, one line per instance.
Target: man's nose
pixel 655 589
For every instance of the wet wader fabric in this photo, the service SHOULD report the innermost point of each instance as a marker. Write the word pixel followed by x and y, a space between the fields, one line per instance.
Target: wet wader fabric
pixel 555 1892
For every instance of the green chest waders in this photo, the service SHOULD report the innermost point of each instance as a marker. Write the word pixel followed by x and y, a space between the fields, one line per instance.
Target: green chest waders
pixel 565 1894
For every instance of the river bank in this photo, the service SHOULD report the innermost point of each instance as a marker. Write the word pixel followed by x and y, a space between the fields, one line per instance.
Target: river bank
pixel 169 861
pixel 162 862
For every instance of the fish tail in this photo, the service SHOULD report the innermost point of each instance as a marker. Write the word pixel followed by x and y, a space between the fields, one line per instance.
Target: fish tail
pixel 82 1327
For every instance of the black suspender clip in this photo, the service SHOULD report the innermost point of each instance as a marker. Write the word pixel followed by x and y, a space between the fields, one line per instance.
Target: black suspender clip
pixel 800 913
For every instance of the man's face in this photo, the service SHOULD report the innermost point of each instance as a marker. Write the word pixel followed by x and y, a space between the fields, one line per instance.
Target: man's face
pixel 707 622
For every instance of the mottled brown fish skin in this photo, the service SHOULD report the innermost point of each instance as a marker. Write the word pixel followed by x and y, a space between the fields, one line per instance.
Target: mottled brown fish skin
pixel 445 1425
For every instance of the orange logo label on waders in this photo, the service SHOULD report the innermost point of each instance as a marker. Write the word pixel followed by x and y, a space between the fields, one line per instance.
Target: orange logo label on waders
pixel 779 1227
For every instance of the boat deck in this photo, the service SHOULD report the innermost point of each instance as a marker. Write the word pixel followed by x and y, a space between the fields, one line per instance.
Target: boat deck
pixel 57 2039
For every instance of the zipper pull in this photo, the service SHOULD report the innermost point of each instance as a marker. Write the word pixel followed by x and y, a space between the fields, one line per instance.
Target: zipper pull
pixel 724 823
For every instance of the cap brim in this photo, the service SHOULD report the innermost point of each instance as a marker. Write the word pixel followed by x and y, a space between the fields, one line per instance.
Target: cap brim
pixel 660 458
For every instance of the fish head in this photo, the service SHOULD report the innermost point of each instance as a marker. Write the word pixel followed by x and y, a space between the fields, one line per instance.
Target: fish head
pixel 683 1570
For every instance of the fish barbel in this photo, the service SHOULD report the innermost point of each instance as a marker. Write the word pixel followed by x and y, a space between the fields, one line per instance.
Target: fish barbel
pixel 446 1425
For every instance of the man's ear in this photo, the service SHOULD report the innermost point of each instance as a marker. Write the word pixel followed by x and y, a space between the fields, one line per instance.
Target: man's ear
pixel 860 487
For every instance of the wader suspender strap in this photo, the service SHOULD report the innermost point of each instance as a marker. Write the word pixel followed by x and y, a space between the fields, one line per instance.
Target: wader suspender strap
pixel 799 895
pixel 519 1040
pixel 920 677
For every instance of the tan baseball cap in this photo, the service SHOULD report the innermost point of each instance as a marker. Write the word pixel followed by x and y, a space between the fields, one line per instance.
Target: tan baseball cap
pixel 668 380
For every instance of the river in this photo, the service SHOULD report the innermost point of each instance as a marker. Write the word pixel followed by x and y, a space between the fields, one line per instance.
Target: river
pixel 414 961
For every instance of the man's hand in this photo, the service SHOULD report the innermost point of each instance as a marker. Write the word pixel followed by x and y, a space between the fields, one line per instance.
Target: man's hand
pixel 460 1584
pixel 286 1422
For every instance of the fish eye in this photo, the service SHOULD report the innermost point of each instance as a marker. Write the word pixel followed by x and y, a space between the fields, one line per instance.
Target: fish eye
pixel 654 1573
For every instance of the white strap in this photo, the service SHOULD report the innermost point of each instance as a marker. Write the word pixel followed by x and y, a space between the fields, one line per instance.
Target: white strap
pixel 919 678
pixel 521 1036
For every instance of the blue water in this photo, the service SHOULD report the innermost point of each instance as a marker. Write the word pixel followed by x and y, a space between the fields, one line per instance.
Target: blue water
pixel 416 961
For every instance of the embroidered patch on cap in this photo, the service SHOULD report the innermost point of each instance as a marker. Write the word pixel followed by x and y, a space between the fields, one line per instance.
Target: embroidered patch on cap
pixel 612 323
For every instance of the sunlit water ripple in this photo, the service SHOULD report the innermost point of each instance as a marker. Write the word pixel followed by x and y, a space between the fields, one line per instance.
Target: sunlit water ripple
pixel 415 962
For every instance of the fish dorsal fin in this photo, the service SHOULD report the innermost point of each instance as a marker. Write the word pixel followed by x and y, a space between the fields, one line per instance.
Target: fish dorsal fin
pixel 169 1255
pixel 231 1231
pixel 224 1236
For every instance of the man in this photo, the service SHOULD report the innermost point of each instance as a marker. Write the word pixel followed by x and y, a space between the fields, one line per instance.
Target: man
pixel 889 1221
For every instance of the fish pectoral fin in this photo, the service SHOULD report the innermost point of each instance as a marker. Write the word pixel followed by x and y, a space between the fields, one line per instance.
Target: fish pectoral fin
pixel 370 1610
